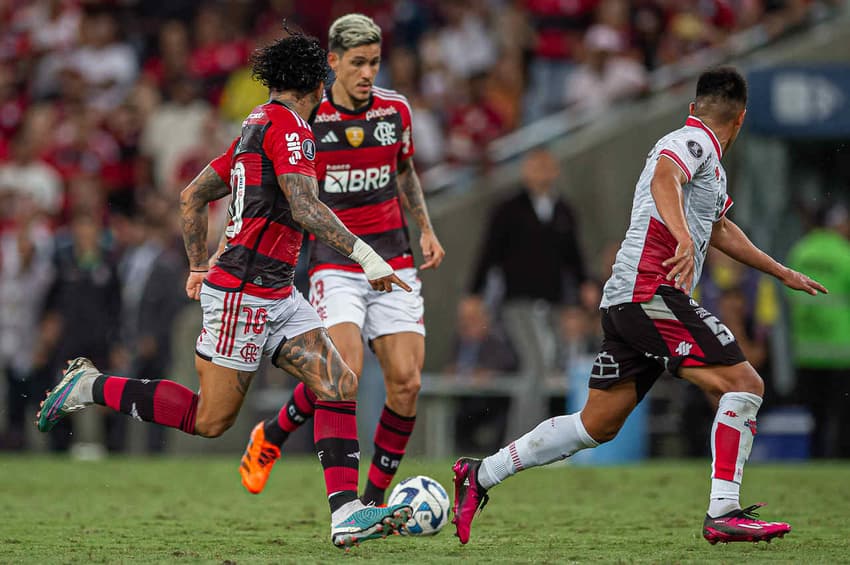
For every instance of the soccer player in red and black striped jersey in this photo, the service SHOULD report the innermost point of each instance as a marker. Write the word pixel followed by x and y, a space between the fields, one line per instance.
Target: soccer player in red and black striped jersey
pixel 250 307
pixel 367 178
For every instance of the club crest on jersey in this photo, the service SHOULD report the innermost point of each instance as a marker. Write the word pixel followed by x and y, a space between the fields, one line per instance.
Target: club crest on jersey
pixel 308 148
pixel 354 135
pixel 385 133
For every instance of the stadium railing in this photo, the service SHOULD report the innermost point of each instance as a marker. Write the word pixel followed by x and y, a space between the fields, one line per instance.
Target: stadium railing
pixel 450 178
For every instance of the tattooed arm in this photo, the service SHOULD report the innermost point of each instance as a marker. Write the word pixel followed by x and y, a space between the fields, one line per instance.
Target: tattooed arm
pixel 413 199
pixel 205 188
pixel 302 192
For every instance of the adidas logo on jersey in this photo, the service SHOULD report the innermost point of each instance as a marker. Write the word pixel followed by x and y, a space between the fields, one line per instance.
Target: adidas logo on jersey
pixel 330 137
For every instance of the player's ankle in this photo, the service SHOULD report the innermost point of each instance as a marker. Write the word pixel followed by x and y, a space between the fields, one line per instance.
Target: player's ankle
pixel 373 494
pixel 274 434
pixel 720 506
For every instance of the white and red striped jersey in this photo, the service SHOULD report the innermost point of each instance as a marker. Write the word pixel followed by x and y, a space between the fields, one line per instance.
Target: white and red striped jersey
pixel 638 270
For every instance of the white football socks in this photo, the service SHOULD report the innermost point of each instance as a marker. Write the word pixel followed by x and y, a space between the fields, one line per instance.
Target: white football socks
pixel 731 442
pixel 552 440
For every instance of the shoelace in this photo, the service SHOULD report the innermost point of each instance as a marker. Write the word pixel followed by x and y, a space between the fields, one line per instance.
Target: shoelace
pixel 485 498
pixel 750 511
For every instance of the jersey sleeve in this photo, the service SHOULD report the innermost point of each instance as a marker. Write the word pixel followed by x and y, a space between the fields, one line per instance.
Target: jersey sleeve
pixel 291 147
pixel 688 153
pixel 221 164
pixel 407 149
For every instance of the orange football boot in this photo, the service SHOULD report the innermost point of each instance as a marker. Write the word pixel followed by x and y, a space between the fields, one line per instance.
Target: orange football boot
pixel 258 460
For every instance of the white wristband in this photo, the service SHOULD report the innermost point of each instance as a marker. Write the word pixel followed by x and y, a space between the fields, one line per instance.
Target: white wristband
pixel 373 266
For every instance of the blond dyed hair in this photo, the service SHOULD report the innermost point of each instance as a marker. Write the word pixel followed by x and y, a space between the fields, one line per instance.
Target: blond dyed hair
pixel 353 30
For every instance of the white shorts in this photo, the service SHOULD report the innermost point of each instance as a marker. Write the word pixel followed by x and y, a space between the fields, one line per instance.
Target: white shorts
pixel 342 296
pixel 240 328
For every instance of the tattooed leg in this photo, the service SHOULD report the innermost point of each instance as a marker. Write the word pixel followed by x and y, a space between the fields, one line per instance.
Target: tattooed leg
pixel 312 358
pixel 222 393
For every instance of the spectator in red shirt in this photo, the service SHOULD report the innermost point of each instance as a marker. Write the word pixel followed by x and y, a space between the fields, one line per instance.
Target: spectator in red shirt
pixel 13 103
pixel 558 28
pixel 172 59
pixel 473 123
pixel 217 53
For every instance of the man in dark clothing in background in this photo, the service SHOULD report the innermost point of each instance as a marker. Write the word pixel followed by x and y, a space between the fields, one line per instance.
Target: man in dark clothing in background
pixel 151 277
pixel 82 313
pixel 532 238
pixel 532 241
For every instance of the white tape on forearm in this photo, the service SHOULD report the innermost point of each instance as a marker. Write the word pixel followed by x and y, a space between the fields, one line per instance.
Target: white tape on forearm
pixel 373 266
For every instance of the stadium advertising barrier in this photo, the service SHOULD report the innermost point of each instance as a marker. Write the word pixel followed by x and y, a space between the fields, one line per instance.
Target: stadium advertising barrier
pixel 811 101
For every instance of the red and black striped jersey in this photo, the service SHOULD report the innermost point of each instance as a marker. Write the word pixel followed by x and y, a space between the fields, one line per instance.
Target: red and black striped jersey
pixel 263 241
pixel 357 166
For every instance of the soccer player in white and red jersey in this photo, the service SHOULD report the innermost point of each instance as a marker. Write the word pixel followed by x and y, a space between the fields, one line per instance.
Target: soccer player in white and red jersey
pixel 249 305
pixel 650 323
pixel 366 177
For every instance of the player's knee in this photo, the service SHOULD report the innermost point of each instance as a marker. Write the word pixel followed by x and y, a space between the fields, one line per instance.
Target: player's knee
pixel 212 426
pixel 405 387
pixel 344 387
pixel 602 431
pixel 751 382
pixel 605 434
pixel 741 378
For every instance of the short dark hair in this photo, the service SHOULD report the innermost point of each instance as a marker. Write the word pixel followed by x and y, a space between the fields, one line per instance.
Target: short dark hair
pixel 296 62
pixel 722 92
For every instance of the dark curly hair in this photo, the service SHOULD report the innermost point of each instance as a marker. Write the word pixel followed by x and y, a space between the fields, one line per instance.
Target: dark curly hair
pixel 296 62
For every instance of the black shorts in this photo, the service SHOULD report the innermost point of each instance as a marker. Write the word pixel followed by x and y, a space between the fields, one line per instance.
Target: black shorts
pixel 642 339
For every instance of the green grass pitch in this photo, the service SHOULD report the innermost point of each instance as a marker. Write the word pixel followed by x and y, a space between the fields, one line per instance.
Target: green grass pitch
pixel 194 510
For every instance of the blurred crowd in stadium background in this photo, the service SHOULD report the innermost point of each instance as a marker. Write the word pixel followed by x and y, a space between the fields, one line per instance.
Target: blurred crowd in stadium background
pixel 108 109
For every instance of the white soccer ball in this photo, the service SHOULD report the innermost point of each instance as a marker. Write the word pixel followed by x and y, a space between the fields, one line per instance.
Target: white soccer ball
pixel 429 501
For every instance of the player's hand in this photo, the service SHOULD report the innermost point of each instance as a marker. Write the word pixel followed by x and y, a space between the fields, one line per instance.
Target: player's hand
pixel 385 284
pixel 193 285
pixel 432 251
pixel 799 281
pixel 682 271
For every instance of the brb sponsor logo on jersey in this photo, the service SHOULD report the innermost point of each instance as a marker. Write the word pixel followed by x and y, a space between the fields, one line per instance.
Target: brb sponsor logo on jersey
pixel 342 178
